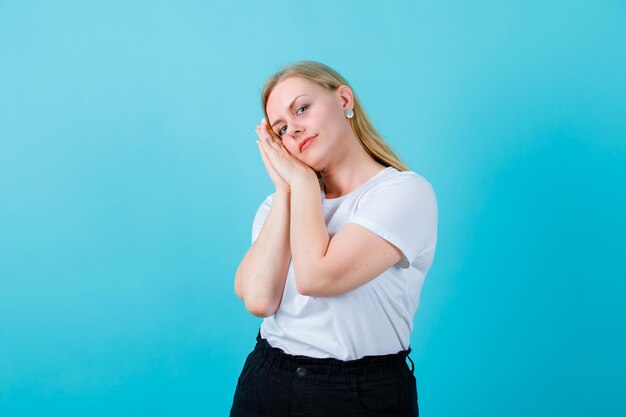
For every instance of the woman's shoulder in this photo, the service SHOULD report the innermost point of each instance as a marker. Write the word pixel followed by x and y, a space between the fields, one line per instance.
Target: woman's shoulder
pixel 409 180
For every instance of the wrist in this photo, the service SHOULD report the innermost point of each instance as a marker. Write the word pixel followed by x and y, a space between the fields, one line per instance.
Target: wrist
pixel 304 181
pixel 283 192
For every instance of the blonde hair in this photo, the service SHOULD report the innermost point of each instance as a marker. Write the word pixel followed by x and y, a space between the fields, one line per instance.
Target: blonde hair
pixel 326 77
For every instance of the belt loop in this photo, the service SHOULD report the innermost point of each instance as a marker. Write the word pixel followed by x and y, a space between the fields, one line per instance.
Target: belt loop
pixel 354 379
pixel 262 345
pixel 412 364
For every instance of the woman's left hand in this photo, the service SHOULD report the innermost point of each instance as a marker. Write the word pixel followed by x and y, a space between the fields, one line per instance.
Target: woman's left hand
pixel 290 168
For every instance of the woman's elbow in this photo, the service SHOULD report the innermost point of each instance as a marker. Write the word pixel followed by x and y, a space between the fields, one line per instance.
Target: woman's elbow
pixel 311 287
pixel 261 308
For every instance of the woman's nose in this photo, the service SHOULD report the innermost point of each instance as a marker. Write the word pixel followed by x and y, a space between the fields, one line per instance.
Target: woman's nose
pixel 294 130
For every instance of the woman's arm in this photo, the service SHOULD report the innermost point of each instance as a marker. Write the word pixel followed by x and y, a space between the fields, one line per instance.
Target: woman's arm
pixel 260 277
pixel 326 267
pixel 398 222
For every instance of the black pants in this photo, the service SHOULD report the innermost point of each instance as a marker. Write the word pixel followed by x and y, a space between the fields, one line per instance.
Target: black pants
pixel 274 383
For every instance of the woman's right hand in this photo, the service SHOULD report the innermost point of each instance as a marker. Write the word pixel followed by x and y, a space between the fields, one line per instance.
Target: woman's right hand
pixel 262 131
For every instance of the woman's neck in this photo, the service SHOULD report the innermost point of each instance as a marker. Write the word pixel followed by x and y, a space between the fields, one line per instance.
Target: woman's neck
pixel 343 181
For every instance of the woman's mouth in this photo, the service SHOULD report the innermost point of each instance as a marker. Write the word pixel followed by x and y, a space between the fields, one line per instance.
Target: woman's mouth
pixel 306 143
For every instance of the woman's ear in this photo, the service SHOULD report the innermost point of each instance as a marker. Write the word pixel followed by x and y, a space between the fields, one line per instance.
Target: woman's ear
pixel 345 94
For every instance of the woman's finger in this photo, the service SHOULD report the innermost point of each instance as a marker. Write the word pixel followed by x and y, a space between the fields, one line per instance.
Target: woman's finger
pixel 264 157
pixel 260 133
pixel 269 140
pixel 266 153
pixel 268 149
pixel 264 131
pixel 264 136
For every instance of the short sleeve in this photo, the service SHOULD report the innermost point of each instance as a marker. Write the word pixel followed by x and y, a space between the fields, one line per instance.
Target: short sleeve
pixel 403 211
pixel 260 217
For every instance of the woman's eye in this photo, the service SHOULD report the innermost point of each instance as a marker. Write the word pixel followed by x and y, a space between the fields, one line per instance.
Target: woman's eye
pixel 299 111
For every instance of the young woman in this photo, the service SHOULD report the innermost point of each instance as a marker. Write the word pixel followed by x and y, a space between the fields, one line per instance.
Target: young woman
pixel 339 254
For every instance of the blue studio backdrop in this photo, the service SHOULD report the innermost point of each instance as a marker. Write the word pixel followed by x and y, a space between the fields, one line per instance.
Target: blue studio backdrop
pixel 129 178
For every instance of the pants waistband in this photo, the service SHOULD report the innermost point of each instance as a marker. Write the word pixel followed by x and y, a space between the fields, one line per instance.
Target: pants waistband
pixel 331 370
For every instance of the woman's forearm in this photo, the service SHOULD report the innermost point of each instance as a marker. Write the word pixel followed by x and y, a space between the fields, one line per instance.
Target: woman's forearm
pixel 260 277
pixel 308 233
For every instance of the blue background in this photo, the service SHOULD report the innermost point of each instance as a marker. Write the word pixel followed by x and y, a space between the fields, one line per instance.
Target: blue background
pixel 129 178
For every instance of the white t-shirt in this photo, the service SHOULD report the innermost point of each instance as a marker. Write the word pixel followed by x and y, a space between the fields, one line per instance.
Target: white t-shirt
pixel 377 317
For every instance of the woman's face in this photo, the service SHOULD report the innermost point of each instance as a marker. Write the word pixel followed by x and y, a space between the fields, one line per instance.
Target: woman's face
pixel 301 111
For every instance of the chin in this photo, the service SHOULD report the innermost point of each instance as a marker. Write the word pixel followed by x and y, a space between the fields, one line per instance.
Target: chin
pixel 315 166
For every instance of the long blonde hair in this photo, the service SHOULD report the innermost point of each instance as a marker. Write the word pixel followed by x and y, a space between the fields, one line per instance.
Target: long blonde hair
pixel 326 77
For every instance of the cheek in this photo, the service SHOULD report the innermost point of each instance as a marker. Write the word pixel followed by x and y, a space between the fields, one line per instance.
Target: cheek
pixel 292 148
pixel 332 120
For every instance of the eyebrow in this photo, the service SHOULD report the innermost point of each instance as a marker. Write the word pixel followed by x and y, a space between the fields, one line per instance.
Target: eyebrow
pixel 290 106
